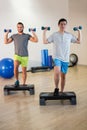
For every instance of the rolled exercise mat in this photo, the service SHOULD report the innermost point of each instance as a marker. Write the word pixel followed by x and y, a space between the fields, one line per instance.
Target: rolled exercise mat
pixel 50 61
pixel 44 57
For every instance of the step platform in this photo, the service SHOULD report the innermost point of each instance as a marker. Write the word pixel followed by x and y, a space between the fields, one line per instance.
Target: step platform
pixel 8 89
pixel 40 69
pixel 62 96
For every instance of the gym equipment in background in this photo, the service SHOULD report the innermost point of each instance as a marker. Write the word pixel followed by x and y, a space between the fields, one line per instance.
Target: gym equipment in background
pixel 77 28
pixel 43 28
pixel 50 61
pixel 44 96
pixel 7 68
pixel 73 59
pixel 40 69
pixel 46 61
pixel 44 57
pixel 8 89
pixel 32 29
pixel 9 30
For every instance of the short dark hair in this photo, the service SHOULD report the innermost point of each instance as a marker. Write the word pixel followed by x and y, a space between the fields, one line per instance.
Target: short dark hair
pixel 20 23
pixel 62 20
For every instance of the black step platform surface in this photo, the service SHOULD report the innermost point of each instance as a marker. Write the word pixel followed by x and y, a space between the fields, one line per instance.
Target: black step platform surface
pixel 9 88
pixel 40 69
pixel 62 96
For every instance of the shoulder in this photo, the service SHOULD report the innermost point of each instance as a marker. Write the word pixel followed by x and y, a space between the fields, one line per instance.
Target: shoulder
pixel 13 36
pixel 16 34
pixel 68 34
pixel 26 34
pixel 55 34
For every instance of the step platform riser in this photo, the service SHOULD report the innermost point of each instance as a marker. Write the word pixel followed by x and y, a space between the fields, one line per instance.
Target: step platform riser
pixel 11 88
pixel 44 96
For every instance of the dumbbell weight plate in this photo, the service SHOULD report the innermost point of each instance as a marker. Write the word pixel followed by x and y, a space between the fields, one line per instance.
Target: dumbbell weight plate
pixel 75 29
pixel 30 29
pixel 5 30
pixel 43 28
pixel 80 27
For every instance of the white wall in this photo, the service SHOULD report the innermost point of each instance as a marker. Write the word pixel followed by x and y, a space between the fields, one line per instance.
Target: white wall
pixel 78 16
pixel 33 13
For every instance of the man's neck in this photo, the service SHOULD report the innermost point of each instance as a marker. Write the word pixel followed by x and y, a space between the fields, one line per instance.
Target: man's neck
pixel 20 33
pixel 61 31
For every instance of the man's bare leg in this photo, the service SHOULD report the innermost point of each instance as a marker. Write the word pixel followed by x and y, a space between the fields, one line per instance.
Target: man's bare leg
pixel 16 73
pixel 56 79
pixel 24 75
pixel 63 79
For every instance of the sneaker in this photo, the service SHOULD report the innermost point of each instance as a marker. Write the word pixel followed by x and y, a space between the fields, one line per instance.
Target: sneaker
pixel 56 91
pixel 16 83
pixel 24 85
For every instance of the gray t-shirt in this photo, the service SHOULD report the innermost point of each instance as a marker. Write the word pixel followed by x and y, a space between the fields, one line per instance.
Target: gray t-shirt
pixel 21 43
pixel 61 45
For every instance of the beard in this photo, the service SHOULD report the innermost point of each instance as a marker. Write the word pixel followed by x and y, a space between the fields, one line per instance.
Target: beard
pixel 20 31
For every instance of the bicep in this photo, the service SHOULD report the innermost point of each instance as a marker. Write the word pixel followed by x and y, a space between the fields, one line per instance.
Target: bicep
pixel 46 41
pixel 78 42
pixel 74 39
pixel 50 39
pixel 10 40
pixel 32 39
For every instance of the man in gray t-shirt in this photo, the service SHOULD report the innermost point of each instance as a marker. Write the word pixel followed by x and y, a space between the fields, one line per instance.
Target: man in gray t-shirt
pixel 21 44
pixel 61 49
pixel 21 50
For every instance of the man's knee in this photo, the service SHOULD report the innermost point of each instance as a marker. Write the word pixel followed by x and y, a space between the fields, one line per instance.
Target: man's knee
pixel 63 76
pixel 16 64
pixel 57 71
pixel 24 70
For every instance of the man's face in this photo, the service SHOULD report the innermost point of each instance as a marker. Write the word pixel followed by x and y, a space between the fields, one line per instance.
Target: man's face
pixel 62 26
pixel 20 28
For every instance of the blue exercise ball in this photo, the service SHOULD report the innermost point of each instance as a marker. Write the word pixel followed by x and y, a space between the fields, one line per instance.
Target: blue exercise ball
pixel 7 68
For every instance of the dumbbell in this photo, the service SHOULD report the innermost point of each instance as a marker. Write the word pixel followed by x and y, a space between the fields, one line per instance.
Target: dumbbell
pixel 77 28
pixel 8 30
pixel 43 28
pixel 32 29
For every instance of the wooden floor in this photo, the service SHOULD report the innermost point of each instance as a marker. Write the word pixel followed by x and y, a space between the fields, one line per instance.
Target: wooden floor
pixel 23 112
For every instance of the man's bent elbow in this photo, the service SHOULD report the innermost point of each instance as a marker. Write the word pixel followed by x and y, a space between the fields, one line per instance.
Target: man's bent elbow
pixel 45 42
pixel 78 42
pixel 5 42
